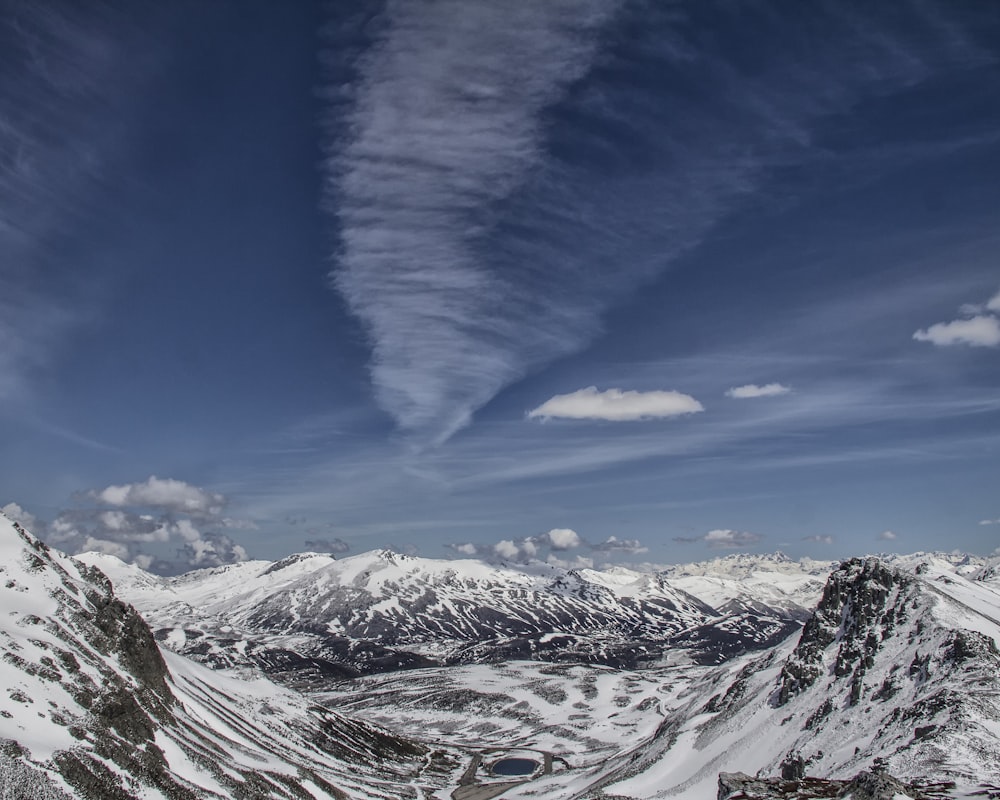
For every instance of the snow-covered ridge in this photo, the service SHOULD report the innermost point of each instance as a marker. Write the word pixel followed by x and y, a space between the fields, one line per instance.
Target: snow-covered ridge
pixel 90 707
pixel 383 610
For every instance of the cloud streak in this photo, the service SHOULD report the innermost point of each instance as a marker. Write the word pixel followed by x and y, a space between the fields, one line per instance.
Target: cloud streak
pixel 615 405
pixel 478 148
pixel 62 74
pixel 724 539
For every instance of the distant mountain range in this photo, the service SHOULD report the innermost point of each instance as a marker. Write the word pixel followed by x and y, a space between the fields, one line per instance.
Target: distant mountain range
pixel 401 677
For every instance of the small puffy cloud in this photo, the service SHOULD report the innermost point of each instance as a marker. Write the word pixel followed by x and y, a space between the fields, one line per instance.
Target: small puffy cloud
pixel 993 304
pixel 979 331
pixel 818 539
pixel 167 494
pixel 465 548
pixel 981 522
pixel 615 405
pixel 615 545
pixel 724 538
pixel 753 390
pixel 577 562
pixel 562 539
pixel 106 546
pixel 15 513
pixel 334 546
pixel 507 549
pixel 887 536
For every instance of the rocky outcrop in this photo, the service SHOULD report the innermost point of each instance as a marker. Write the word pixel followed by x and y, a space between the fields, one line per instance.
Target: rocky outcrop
pixel 873 784
pixel 858 611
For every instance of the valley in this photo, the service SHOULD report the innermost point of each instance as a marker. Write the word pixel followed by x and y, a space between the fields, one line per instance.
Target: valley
pixel 619 685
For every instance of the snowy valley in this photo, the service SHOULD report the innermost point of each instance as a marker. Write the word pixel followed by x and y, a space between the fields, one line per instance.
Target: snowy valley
pixel 382 675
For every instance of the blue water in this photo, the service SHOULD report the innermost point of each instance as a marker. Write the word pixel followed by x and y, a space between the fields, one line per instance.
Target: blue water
pixel 514 766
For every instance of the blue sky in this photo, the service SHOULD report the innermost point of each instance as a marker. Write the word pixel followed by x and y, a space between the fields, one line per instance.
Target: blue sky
pixel 589 280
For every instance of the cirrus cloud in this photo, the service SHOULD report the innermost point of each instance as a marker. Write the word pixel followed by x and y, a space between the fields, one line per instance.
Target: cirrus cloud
pixel 616 405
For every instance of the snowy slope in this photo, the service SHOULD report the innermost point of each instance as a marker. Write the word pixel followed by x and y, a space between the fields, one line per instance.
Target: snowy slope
pixel 91 708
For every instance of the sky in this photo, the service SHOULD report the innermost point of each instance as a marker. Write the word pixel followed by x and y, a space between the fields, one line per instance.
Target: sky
pixel 586 281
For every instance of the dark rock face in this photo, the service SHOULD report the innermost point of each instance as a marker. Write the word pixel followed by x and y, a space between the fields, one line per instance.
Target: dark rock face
pixel 856 610
pixel 873 784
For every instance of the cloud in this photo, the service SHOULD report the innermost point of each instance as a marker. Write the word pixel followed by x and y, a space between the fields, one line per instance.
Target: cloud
pixel 615 545
pixel 616 405
pixel 577 562
pixel 15 513
pixel 461 172
pixel 465 548
pixel 445 123
pixel 562 539
pixel 887 536
pixel 335 546
pixel 981 331
pixel 724 539
pixel 162 493
pixel 162 524
pixel 818 539
pixel 981 522
pixel 993 304
pixel 68 70
pixel 753 390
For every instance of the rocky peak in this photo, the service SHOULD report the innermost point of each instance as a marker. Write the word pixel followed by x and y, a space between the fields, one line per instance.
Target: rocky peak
pixel 858 610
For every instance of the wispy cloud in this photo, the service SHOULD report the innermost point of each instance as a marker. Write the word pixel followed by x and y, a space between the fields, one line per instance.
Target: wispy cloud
pixel 446 123
pixel 459 194
pixel 724 538
pixel 626 546
pixel 753 390
pixel 888 536
pixel 818 539
pixel 63 73
pixel 616 405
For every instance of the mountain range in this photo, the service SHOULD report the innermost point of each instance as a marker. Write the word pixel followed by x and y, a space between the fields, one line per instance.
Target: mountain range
pixel 384 675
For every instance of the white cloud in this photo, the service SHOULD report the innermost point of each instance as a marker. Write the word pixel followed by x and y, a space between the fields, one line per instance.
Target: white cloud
pixel 562 539
pixel 981 522
pixel 994 303
pixel 616 405
pixel 724 538
pixel 888 536
pixel 106 546
pixel 15 513
pixel 162 493
pixel 981 331
pixel 465 548
pixel 615 545
pixel 818 539
pixel 507 549
pixel 445 122
pixel 753 390
pixel 577 562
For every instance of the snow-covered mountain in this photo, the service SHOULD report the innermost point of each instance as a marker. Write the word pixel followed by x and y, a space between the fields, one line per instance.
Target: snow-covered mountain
pixel 90 707
pixel 896 666
pixel 312 615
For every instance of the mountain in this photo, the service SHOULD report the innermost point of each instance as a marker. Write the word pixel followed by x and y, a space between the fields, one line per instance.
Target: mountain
pixel 312 617
pixel 92 708
pixel 890 680
pixel 895 667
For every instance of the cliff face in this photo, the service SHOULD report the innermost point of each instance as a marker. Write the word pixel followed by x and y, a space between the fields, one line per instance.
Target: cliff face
pixel 862 604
